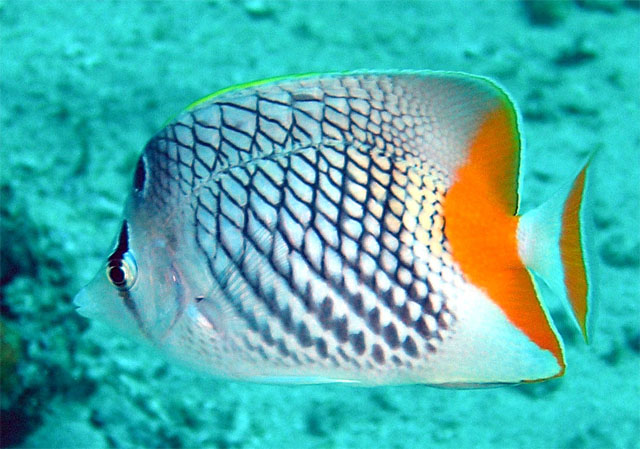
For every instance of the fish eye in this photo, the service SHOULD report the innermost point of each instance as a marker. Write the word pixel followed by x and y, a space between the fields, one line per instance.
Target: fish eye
pixel 122 272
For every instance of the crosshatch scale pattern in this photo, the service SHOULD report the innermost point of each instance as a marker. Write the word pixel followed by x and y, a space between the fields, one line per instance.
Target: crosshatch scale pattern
pixel 320 199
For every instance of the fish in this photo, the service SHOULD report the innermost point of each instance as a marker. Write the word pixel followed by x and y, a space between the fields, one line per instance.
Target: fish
pixel 361 227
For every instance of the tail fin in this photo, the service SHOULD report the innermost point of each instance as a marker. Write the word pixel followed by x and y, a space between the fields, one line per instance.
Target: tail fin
pixel 553 242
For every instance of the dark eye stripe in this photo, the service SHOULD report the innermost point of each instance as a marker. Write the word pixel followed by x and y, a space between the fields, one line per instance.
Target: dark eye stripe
pixel 123 243
pixel 131 306
pixel 115 259
pixel 139 176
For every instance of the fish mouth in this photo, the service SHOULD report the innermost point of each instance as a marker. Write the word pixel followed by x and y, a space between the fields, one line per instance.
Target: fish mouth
pixel 83 303
pixel 90 304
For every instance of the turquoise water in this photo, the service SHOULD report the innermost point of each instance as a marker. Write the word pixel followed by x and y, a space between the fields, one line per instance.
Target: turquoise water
pixel 83 85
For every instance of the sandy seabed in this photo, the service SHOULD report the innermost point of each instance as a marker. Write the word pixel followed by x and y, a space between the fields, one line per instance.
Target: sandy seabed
pixel 84 84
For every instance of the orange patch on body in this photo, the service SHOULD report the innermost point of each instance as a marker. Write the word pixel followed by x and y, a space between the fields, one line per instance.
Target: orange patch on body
pixel 571 253
pixel 481 227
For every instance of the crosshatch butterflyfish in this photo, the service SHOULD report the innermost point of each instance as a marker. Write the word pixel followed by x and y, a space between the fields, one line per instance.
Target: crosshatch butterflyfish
pixel 355 227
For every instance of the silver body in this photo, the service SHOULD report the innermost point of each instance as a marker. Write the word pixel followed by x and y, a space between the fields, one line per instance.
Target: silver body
pixel 294 231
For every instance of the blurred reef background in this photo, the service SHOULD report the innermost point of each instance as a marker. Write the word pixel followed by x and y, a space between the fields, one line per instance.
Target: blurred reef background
pixel 84 84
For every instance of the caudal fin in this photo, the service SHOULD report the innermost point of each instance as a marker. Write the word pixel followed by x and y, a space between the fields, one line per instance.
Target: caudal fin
pixel 573 254
pixel 554 244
